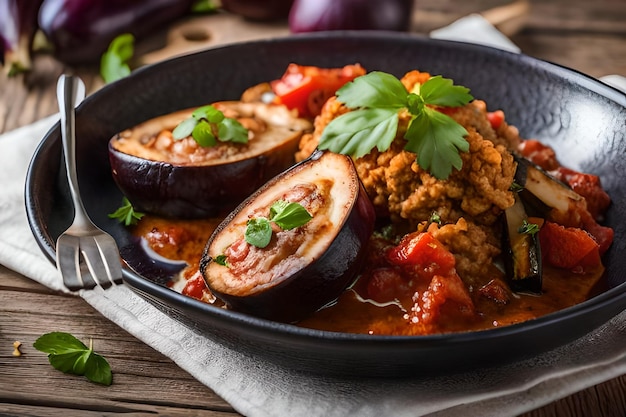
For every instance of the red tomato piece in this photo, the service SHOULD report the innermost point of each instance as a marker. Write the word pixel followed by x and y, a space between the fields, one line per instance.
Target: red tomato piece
pixel 588 186
pixel 195 287
pixel 539 154
pixel 306 88
pixel 386 284
pixel 495 118
pixel 424 252
pixel 568 247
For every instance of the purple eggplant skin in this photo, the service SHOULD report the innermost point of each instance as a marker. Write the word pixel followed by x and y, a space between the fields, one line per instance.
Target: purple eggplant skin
pixel 80 31
pixel 259 10
pixel 193 192
pixel 323 15
pixel 294 297
pixel 18 24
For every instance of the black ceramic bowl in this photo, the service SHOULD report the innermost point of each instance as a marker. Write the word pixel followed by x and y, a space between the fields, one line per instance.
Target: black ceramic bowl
pixel 583 119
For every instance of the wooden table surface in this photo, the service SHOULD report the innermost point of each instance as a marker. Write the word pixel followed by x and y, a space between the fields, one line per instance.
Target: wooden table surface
pixel 587 36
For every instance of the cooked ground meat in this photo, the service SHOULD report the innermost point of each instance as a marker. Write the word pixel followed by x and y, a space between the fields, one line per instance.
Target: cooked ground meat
pixel 469 201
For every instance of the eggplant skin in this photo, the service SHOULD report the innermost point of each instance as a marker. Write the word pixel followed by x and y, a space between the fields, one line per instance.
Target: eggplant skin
pixel 80 31
pixel 317 284
pixel 182 191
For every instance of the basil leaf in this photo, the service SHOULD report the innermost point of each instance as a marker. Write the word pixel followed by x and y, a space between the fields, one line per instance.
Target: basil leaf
pixel 375 89
pixel 203 134
pixel 357 132
pixel 441 92
pixel 437 140
pixel 69 355
pixel 230 130
pixel 184 128
pixel 114 62
pixel 58 343
pixel 258 232
pixel 288 215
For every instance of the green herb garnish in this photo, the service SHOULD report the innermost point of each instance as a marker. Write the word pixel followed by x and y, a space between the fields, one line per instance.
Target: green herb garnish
pixel 528 228
pixel 69 355
pixel 205 6
pixel 284 214
pixel 207 125
pixel 126 214
pixel 515 187
pixel 114 62
pixel 378 97
pixel 220 260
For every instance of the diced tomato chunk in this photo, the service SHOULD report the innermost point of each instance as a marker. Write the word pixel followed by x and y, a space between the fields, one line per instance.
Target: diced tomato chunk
pixel 425 253
pixel 588 186
pixel 195 287
pixel 568 247
pixel 386 284
pixel 495 118
pixel 539 154
pixel 447 292
pixel 306 88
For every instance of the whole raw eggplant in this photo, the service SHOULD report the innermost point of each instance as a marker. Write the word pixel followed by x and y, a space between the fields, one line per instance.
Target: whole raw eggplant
pixel 18 24
pixel 81 30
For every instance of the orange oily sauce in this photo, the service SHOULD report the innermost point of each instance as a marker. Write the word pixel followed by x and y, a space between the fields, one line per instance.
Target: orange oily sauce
pixel 185 240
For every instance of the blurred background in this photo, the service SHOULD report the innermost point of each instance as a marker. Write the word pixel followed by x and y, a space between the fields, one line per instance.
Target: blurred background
pixel 102 40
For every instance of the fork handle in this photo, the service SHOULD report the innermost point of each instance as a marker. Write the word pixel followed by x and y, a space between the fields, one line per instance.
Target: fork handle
pixel 70 92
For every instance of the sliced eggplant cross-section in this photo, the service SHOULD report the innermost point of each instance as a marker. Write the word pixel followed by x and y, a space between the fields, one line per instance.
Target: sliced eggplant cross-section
pixel 523 253
pixel 301 269
pixel 180 178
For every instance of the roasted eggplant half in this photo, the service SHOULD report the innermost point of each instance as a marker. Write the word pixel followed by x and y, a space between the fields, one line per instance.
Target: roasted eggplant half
pixel 300 269
pixel 523 252
pixel 181 178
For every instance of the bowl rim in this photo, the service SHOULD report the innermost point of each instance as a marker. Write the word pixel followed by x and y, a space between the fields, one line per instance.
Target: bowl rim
pixel 614 297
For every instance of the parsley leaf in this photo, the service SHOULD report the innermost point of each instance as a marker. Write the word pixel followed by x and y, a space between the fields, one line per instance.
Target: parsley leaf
pixel 69 355
pixel 357 132
pixel 528 228
pixel 440 91
pixel 286 215
pixel 437 140
pixel 114 62
pixel 126 214
pixel 207 125
pixel 375 89
pixel 378 97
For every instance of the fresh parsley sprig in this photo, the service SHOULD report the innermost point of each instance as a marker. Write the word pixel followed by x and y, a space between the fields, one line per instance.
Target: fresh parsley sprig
pixel 207 125
pixel 378 97
pixel 528 228
pixel 69 355
pixel 286 215
pixel 126 214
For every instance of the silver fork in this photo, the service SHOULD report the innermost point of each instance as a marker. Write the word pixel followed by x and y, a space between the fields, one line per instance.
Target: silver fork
pixel 86 255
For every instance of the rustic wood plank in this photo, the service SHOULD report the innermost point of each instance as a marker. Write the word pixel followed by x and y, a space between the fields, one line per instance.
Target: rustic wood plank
pixel 145 381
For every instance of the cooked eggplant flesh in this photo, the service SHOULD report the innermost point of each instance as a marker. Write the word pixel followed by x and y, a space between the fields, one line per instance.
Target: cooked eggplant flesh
pixel 179 178
pixel 555 195
pixel 268 125
pixel 523 260
pixel 301 269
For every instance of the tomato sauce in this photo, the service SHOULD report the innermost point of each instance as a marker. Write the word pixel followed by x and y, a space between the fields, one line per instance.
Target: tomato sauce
pixel 381 300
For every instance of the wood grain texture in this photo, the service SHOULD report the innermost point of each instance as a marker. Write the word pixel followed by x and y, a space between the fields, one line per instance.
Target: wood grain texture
pixel 587 36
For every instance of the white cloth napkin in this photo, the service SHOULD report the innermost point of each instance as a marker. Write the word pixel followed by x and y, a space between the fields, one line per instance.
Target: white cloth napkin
pixel 256 388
